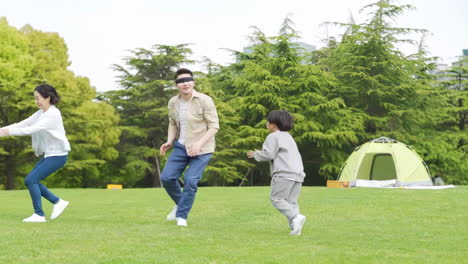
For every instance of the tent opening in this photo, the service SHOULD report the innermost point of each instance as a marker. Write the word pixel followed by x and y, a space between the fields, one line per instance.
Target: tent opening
pixel 383 168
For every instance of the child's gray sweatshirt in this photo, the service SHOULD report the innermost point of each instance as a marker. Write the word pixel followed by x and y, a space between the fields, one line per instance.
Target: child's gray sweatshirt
pixel 281 151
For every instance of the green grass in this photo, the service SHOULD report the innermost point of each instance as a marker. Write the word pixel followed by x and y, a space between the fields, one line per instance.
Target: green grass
pixel 239 225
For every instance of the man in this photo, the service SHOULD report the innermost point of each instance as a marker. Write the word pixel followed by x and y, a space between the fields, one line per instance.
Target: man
pixel 193 124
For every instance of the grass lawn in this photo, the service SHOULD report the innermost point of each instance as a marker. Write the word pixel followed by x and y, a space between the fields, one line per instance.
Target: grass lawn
pixel 239 225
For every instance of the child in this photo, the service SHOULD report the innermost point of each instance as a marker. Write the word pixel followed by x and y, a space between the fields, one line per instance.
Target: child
pixel 286 167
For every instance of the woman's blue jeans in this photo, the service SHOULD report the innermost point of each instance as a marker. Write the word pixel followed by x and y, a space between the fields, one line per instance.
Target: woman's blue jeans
pixel 43 168
pixel 175 166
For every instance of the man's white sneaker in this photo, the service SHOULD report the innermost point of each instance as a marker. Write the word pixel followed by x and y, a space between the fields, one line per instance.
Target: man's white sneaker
pixel 172 215
pixel 58 208
pixel 35 218
pixel 297 223
pixel 181 221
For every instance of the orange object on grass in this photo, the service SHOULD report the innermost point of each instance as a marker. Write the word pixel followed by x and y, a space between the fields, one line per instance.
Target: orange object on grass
pixel 114 186
pixel 337 184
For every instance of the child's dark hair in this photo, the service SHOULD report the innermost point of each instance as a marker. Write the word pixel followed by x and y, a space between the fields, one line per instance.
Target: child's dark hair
pixel 281 118
pixel 182 71
pixel 47 90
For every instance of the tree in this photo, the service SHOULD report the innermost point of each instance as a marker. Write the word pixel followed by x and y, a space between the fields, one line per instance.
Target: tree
pixel 273 75
pixel 45 57
pixel 147 84
pixel 15 98
pixel 227 164
pixel 94 135
pixel 373 75
pixel 452 160
pixel 91 126
pixel 456 77
pixel 393 92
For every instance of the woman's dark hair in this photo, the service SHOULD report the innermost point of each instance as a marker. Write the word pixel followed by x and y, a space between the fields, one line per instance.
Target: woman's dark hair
pixel 182 71
pixel 47 90
pixel 281 118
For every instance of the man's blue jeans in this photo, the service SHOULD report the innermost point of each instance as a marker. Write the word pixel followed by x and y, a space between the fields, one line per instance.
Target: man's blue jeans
pixel 43 168
pixel 175 166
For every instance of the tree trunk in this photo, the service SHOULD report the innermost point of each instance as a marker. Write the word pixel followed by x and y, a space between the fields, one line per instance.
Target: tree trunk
pixel 10 164
pixel 462 120
pixel 461 115
pixel 84 182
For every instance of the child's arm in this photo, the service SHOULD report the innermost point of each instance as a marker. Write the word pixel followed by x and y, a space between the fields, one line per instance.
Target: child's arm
pixel 269 149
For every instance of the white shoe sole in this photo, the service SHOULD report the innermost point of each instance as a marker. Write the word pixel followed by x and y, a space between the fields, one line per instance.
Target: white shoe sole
pixel 35 220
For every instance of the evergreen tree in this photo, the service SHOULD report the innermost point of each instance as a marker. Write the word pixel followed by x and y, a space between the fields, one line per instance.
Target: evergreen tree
pixel 227 165
pixel 273 75
pixel 394 92
pixel 147 81
pixel 456 78
pixel 452 159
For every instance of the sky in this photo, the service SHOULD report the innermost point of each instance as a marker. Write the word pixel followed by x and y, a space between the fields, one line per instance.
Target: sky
pixel 100 33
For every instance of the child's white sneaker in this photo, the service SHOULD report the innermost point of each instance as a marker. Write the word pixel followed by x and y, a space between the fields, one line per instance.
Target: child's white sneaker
pixel 35 218
pixel 297 223
pixel 58 208
pixel 181 221
pixel 172 215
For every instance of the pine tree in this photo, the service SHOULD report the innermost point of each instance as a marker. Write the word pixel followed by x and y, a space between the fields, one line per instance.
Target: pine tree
pixel 273 74
pixel 393 92
pixel 147 81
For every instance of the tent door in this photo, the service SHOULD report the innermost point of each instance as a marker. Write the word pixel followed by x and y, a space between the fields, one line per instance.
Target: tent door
pixel 383 168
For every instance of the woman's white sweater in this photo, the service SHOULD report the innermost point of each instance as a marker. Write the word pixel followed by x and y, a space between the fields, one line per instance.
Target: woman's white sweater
pixel 47 131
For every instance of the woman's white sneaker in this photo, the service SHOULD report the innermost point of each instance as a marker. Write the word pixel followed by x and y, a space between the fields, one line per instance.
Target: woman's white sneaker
pixel 58 208
pixel 35 218
pixel 172 215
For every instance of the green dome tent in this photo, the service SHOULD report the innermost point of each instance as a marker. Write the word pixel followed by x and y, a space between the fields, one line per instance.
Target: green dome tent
pixel 384 162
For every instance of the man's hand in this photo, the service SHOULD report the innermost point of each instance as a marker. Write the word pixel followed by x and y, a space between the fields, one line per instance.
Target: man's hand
pixel 164 147
pixel 193 150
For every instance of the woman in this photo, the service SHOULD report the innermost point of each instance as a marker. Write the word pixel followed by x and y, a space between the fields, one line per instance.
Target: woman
pixel 48 139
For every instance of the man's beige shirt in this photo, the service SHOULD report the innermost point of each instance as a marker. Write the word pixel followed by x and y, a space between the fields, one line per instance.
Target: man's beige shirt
pixel 201 116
